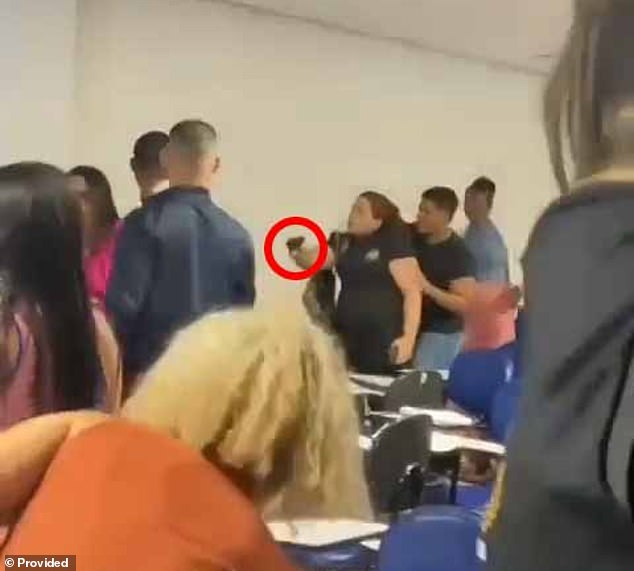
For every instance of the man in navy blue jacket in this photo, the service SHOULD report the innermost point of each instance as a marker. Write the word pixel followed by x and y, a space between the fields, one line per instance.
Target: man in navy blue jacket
pixel 179 255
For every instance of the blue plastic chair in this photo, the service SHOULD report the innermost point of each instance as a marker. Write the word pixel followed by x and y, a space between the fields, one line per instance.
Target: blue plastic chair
pixel 504 409
pixel 474 497
pixel 432 539
pixel 501 420
pixel 345 557
pixel 476 376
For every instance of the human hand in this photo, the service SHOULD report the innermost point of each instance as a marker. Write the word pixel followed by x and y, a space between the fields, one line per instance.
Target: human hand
pixel 402 350
pixel 295 243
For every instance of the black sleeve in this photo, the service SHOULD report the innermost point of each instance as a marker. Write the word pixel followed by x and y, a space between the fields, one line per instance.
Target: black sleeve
pixel 462 264
pixel 397 243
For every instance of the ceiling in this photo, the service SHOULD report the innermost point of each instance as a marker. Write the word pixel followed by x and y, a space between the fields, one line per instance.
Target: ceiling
pixel 523 34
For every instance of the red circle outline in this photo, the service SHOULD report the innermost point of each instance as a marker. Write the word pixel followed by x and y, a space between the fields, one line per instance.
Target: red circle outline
pixel 295 221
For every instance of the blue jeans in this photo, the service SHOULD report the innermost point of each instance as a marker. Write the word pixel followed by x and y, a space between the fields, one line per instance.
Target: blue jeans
pixel 437 351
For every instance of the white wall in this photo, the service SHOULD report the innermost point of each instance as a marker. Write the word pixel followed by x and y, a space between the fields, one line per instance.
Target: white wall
pixel 307 117
pixel 37 62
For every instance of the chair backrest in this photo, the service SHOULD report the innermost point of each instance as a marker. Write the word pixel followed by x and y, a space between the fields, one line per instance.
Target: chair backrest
pixel 398 448
pixel 437 538
pixel 476 376
pixel 347 556
pixel 419 389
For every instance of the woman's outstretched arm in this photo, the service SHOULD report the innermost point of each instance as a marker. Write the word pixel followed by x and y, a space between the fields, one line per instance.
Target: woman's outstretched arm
pixel 26 451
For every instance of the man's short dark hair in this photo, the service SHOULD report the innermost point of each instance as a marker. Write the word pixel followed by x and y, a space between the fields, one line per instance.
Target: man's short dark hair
pixel 147 152
pixel 443 198
pixel 486 186
pixel 194 138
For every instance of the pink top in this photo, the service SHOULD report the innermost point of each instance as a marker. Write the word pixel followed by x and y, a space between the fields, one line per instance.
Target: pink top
pixel 18 400
pixel 490 321
pixel 98 265
pixel 33 371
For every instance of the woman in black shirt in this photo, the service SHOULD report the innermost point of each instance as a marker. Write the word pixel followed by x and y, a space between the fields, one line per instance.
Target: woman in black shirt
pixel 378 310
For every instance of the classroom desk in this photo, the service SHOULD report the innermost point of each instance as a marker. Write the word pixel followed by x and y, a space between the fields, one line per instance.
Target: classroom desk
pixel 446 443
pixel 321 533
pixel 446 448
pixel 381 383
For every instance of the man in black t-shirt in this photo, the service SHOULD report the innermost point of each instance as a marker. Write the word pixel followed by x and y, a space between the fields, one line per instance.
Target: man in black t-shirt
pixel 448 269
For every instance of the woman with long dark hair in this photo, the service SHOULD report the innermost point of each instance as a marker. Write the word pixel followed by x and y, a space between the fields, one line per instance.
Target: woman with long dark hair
pixel 379 307
pixel 100 226
pixel 56 353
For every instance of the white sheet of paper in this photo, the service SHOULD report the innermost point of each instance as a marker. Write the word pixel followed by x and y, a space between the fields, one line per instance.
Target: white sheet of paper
pixel 373 544
pixel 440 418
pixel 316 533
pixel 481 550
pixel 379 381
pixel 386 414
pixel 365 442
pixel 442 442
pixel 357 390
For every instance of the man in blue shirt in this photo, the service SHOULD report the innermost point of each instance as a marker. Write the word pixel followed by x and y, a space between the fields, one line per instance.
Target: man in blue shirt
pixel 482 237
pixel 179 255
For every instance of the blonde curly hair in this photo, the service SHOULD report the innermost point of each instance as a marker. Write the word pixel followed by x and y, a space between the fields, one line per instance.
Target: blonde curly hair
pixel 264 394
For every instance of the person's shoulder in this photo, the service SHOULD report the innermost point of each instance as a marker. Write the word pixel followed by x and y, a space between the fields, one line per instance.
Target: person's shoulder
pixel 231 228
pixel 495 232
pixel 460 251
pixel 140 219
pixel 400 232
pixel 457 242
pixel 590 198
pixel 135 216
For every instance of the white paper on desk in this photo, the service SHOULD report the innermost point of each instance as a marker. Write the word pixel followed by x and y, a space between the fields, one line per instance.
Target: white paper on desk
pixel 317 533
pixel 441 418
pixel 386 414
pixel 379 381
pixel 444 373
pixel 372 544
pixel 442 442
pixel 357 390
pixel 365 443
pixel 481 550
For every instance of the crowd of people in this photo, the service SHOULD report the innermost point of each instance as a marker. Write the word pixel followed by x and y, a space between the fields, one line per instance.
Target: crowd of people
pixel 142 395
pixel 149 319
pixel 409 292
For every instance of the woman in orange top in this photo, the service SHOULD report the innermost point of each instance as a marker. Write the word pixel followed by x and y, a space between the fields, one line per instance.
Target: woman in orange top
pixel 262 395
pixel 121 496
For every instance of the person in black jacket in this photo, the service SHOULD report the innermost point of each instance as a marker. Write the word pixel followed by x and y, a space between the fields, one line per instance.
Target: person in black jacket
pixel 179 255
pixel 567 502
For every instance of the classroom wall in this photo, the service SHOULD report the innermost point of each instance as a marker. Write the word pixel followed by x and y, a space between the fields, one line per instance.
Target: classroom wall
pixel 308 117
pixel 37 59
